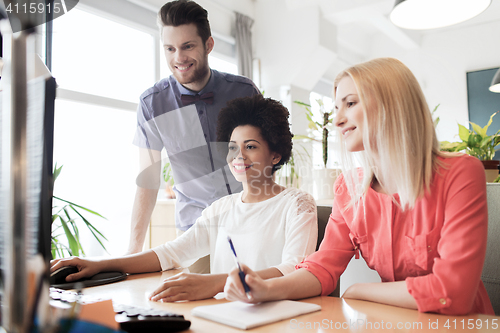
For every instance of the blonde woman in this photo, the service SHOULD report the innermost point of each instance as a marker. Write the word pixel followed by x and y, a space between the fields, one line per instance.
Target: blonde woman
pixel 416 215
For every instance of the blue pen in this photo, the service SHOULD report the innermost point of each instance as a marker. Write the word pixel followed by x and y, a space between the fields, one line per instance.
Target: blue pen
pixel 241 274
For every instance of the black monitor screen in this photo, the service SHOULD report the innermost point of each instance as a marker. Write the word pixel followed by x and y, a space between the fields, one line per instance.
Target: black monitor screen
pixel 39 183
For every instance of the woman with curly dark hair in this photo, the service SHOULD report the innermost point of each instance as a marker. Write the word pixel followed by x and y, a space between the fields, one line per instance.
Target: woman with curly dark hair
pixel 264 122
pixel 273 228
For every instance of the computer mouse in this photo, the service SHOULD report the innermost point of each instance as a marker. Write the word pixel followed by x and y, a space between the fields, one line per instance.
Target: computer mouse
pixel 59 276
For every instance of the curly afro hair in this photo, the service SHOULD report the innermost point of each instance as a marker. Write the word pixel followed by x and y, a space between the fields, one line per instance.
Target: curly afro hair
pixel 268 115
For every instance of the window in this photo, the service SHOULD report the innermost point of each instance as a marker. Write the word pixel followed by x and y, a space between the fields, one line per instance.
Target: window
pixel 94 145
pixel 105 66
pixel 103 58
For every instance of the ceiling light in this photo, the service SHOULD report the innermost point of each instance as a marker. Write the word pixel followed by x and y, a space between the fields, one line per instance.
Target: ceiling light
pixel 431 14
pixel 495 83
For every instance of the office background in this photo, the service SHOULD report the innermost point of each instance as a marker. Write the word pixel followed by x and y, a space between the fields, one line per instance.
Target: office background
pixel 105 53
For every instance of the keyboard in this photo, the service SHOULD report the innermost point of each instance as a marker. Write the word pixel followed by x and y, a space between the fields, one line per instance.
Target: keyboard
pixel 132 319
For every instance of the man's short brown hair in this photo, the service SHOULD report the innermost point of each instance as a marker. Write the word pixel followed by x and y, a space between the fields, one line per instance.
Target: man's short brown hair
pixel 179 12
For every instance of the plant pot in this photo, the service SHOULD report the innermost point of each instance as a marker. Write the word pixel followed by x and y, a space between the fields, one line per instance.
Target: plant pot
pixel 323 180
pixel 491 170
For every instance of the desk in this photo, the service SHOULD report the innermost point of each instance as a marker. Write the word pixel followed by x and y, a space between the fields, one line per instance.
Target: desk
pixel 353 315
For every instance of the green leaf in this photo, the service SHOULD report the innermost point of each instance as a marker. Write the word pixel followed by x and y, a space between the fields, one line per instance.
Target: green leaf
pixel 474 140
pixel 167 173
pixel 463 132
pixel 58 247
pixel 485 128
pixel 92 229
pixel 485 142
pixel 309 118
pixel 461 146
pixel 449 146
pixel 73 245
pixel 59 211
pixel 88 210
pixel 496 140
pixel 304 137
pixel 302 104
pixel 76 232
pixel 436 121
pixel 56 172
pixel 478 129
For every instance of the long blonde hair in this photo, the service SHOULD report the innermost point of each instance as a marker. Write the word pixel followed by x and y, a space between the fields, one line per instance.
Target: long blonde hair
pixel 399 133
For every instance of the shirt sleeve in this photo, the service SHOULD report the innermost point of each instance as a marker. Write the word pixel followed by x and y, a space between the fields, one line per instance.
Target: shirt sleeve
pixel 336 249
pixel 301 232
pixel 452 287
pixel 186 249
pixel 147 134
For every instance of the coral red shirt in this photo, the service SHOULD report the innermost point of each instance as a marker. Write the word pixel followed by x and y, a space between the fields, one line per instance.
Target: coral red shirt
pixel 438 247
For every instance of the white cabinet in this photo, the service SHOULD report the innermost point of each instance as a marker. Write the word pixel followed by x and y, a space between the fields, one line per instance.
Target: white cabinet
pixel 162 225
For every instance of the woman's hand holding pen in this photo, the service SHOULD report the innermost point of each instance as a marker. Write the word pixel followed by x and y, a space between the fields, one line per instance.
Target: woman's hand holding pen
pixel 259 288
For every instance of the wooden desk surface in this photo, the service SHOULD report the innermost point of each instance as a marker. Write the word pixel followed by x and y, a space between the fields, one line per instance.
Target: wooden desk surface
pixel 336 313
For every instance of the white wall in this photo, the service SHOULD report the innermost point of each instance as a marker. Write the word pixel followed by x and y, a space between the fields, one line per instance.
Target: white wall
pixel 441 64
pixel 282 41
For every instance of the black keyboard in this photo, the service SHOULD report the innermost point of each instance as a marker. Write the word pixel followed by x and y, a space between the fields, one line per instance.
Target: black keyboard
pixel 132 319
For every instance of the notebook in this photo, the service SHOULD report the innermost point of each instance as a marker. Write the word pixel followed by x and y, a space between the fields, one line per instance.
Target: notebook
pixel 246 316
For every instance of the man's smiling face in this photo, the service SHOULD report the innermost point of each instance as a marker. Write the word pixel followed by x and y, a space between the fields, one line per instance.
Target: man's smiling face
pixel 187 55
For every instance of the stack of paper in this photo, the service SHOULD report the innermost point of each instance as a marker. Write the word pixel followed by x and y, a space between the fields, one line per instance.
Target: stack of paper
pixel 246 316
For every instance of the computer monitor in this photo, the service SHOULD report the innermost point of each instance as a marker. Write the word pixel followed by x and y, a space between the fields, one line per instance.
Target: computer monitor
pixel 37 206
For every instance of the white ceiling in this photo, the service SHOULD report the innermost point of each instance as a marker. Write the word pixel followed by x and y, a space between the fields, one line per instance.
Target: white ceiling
pixel 360 21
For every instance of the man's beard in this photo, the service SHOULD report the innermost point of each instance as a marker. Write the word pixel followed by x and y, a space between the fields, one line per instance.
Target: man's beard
pixel 198 75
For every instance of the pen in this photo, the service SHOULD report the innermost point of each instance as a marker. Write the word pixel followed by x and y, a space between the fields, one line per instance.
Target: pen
pixel 241 274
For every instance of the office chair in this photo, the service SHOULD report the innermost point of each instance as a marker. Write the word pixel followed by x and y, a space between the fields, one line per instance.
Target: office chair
pixel 491 269
pixel 323 216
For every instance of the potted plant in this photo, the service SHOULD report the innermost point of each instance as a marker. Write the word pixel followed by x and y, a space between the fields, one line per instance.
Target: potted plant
pixel 168 177
pixel 65 216
pixel 476 142
pixel 323 178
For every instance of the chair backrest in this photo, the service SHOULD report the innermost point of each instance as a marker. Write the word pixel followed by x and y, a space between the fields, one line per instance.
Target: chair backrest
pixel 491 269
pixel 323 216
